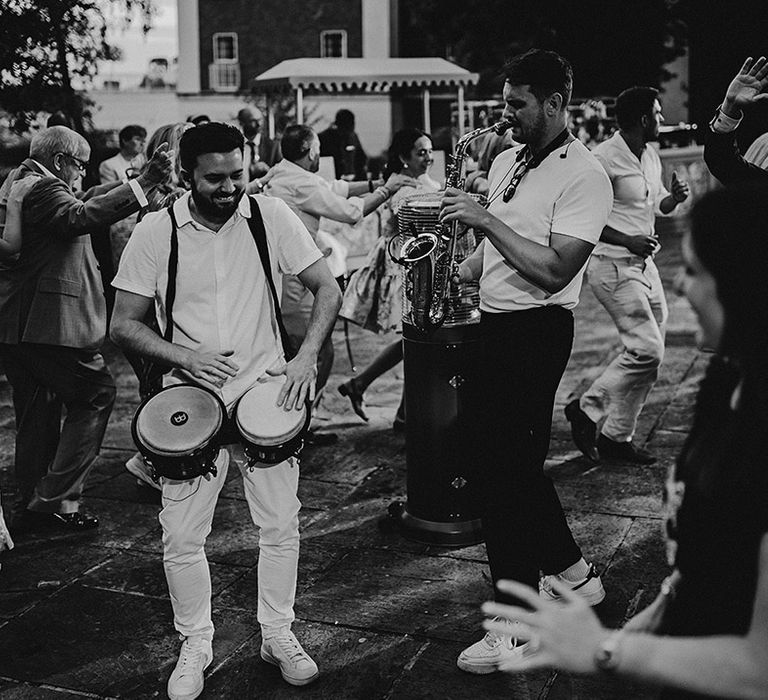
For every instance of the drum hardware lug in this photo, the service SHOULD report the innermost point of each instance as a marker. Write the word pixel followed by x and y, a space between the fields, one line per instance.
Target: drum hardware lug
pixel 459 482
pixel 456 381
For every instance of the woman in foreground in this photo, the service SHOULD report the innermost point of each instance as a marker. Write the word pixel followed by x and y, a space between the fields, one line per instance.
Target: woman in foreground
pixel 706 633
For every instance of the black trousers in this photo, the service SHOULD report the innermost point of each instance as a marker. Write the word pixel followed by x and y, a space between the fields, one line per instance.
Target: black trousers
pixel 523 357
pixel 52 458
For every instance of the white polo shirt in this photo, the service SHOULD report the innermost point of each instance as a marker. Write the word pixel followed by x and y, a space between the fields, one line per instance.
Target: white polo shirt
pixel 222 299
pixel 637 190
pixel 569 194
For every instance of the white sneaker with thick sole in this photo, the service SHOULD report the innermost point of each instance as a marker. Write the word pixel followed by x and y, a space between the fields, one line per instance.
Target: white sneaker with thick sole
pixel 590 587
pixel 186 681
pixel 490 652
pixel 284 651
pixel 136 466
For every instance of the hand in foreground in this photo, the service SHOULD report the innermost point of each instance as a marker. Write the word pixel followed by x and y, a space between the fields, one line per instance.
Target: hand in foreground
pixel 300 377
pixel 211 367
pixel 747 87
pixel 564 633
pixel 680 190
pixel 459 206
pixel 642 245
pixel 397 180
pixel 159 167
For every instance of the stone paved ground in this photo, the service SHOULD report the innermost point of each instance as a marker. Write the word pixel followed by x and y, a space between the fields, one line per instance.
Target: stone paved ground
pixel 89 616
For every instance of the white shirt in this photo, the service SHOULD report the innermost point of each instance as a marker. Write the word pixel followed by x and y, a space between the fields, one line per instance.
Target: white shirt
pixel 222 299
pixel 311 197
pixel 637 190
pixel 117 167
pixel 568 194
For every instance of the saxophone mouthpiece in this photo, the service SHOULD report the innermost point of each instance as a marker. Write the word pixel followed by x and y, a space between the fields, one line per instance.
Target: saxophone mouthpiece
pixel 502 126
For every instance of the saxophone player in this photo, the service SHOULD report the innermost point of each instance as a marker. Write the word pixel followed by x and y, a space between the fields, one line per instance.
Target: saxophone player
pixel 548 201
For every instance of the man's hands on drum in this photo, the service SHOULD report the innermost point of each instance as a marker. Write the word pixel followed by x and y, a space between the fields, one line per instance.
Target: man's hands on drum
pixel 459 206
pixel 300 377
pixel 214 368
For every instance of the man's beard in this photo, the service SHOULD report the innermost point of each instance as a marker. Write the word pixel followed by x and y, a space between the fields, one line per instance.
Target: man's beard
pixel 212 211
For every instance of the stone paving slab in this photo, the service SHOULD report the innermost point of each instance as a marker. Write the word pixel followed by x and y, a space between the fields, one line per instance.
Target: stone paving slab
pixel 353 663
pixel 385 617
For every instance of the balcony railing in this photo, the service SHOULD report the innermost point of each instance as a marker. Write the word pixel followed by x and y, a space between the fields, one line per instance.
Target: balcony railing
pixel 224 77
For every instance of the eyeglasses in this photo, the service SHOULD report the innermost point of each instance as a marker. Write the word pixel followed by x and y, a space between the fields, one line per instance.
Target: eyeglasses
pixel 81 164
pixel 514 181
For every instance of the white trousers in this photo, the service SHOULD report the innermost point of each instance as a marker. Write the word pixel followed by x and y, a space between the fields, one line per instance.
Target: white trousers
pixel 186 518
pixel 630 289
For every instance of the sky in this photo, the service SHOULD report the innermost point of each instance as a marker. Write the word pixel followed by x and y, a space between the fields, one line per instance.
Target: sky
pixel 138 48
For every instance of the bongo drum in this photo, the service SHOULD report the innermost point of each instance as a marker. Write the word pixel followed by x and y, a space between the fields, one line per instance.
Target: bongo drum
pixel 177 429
pixel 269 434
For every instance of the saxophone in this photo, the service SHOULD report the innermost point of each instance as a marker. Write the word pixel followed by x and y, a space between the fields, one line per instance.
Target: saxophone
pixel 429 258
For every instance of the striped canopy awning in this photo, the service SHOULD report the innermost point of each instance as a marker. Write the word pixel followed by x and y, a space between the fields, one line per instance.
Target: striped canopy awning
pixel 362 74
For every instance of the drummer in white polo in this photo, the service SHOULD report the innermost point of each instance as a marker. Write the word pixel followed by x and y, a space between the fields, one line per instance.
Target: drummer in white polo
pixel 225 337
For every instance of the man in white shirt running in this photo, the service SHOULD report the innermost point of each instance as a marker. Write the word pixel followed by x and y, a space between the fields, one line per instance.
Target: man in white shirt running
pixel 626 282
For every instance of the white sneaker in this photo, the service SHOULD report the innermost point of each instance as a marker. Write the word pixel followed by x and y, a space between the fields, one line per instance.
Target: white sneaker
pixel 136 466
pixel 490 652
pixel 590 587
pixel 284 651
pixel 186 681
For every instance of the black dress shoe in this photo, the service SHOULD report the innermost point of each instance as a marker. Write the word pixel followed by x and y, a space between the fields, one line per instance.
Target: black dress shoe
pixel 623 451
pixel 320 439
pixel 355 396
pixel 583 431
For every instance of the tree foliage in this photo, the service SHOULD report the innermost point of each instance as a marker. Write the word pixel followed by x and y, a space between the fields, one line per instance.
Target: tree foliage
pixel 48 45
pixel 611 45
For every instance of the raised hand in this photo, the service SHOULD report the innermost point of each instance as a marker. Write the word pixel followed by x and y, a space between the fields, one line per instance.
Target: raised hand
pixel 747 87
pixel 159 167
pixel 397 180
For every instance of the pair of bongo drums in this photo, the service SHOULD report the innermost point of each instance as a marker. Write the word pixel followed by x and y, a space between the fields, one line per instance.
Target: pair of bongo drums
pixel 180 429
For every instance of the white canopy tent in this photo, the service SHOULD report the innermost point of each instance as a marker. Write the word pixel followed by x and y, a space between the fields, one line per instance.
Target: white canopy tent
pixel 369 75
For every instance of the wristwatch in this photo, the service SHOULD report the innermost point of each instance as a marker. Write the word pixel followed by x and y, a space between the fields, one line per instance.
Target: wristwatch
pixel 607 655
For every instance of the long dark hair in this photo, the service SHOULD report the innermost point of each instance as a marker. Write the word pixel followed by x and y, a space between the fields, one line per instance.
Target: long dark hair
pixel 401 147
pixel 728 237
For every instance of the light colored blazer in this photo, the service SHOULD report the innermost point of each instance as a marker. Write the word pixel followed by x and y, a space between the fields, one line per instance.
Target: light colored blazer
pixel 52 293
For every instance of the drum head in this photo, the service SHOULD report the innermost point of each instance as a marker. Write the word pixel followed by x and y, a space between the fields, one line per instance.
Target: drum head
pixel 178 420
pixel 261 421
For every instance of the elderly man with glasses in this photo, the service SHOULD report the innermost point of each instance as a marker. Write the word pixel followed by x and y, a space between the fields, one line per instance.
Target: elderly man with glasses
pixel 53 323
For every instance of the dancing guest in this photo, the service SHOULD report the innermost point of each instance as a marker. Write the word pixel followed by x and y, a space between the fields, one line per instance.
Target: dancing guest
pixel 549 199
pixel 53 322
pixel 225 337
pixel 706 633
pixel 721 153
pixel 261 152
pixel 625 280
pixel 125 164
pixel 10 243
pixel 295 180
pixel 409 153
